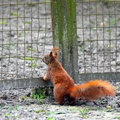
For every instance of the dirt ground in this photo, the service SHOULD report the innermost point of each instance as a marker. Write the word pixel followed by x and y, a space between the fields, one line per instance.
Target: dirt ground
pixel 18 105
pixel 99 51
pixel 22 46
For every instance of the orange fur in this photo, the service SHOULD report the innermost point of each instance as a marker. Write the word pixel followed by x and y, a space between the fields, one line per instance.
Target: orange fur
pixel 64 85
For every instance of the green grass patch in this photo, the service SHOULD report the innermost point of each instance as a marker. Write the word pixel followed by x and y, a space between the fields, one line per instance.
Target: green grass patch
pixel 28 58
pixel 83 111
pixel 41 110
pixel 6 114
pixel 116 87
pixel 51 118
pixel 3 22
pixel 38 94
pixel 109 109
pixel 31 49
pixel 27 22
pixel 118 117
pixel 113 21
pixel 33 65
pixel 14 13
pixel 31 4
pixel 20 33
pixel 107 30
pixel 24 97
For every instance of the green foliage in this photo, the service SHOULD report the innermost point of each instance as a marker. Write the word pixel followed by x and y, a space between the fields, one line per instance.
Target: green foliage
pixel 38 94
pixel 41 110
pixel 10 44
pixel 33 65
pixel 6 114
pixel 118 117
pixel 83 111
pixel 31 49
pixel 24 97
pixel 51 118
pixel 109 109
pixel 31 4
pixel 3 22
pixel 113 21
pixel 14 13
pixel 20 33
pixel 12 107
pixel 28 58
pixel 16 116
pixel 27 22
pixel 116 87
pixel 107 30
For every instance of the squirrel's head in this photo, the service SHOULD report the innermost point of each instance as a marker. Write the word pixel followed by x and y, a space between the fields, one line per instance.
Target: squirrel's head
pixel 48 58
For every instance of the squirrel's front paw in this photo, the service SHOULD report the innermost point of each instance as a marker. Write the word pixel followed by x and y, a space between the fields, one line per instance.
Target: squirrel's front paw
pixel 42 77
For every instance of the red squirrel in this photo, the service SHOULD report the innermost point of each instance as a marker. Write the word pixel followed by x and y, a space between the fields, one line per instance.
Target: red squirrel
pixel 64 86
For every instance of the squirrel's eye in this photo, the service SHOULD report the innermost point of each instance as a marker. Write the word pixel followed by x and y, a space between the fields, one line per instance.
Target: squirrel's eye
pixel 45 57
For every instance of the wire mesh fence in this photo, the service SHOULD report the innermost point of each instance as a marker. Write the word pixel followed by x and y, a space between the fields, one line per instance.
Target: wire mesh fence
pixel 25 32
pixel 98 27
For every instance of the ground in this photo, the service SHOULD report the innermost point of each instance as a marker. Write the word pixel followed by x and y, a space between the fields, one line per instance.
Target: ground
pixel 17 105
pixel 24 39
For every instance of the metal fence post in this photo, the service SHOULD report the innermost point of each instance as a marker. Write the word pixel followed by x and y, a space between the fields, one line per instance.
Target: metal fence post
pixel 63 13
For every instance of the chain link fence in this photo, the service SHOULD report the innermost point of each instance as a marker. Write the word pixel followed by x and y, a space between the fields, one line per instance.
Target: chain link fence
pixel 98 28
pixel 26 35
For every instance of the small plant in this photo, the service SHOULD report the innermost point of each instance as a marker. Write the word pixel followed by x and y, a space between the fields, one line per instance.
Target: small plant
pixel 3 22
pixel 116 87
pixel 14 13
pixel 27 22
pixel 107 30
pixel 31 4
pixel 51 118
pixel 6 114
pixel 20 33
pixel 31 49
pixel 113 21
pixel 82 111
pixel 38 94
pixel 99 101
pixel 118 117
pixel 16 116
pixel 28 58
pixel 109 109
pixel 33 65
pixel 41 110
pixel 24 97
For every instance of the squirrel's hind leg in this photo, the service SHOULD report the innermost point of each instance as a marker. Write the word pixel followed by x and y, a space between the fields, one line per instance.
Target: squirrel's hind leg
pixel 59 93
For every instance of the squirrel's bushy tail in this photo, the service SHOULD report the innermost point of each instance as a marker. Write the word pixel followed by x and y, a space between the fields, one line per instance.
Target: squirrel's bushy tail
pixel 92 90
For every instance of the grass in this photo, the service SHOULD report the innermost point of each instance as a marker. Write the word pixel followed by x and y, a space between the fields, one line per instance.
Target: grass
pixel 51 118
pixel 27 22
pixel 28 58
pixel 37 94
pixel 112 22
pixel 14 13
pixel 33 65
pixel 31 49
pixel 109 109
pixel 6 114
pixel 3 22
pixel 118 117
pixel 83 111
pixel 41 110
pixel 31 4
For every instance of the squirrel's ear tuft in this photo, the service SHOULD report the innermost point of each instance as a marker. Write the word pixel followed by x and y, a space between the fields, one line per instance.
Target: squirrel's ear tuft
pixel 50 53
pixel 54 49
